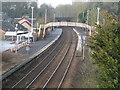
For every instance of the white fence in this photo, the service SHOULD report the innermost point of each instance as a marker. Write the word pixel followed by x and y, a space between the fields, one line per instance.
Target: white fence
pixel 18 46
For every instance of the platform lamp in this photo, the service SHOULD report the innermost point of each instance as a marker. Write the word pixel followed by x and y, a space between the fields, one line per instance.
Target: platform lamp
pixel 98 15
pixel 16 29
pixel 31 24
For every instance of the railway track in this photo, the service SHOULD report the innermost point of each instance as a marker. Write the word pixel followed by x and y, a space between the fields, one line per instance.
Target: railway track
pixel 49 69
pixel 57 78
pixel 13 79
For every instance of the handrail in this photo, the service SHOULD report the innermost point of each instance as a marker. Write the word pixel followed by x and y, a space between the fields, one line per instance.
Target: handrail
pixel 71 24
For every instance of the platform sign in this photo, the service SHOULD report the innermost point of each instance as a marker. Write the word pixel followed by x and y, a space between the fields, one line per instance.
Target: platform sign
pixel 27 47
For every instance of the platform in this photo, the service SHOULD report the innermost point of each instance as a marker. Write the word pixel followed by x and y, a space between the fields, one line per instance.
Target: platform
pixel 22 56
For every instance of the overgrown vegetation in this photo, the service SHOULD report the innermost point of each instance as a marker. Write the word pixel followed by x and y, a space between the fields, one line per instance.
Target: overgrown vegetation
pixel 105 50
pixel 111 7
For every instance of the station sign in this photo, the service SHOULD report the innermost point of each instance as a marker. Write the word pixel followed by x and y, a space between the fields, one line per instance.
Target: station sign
pixel 27 47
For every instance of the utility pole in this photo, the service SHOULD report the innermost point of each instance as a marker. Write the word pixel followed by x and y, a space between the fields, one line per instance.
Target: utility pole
pixel 45 16
pixel 98 15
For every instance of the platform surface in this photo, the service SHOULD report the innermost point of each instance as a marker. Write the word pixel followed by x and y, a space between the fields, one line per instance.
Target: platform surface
pixel 22 54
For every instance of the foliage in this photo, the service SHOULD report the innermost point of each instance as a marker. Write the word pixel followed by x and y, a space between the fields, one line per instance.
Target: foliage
pixel 19 9
pixel 64 11
pixel 111 7
pixel 105 50
pixel 82 17
pixel 50 12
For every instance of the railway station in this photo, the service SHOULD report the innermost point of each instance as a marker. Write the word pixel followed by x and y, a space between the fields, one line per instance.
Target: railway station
pixel 45 46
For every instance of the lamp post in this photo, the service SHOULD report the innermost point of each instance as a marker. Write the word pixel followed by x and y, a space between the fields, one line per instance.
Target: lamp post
pixel 32 18
pixel 88 21
pixel 45 22
pixel 84 47
pixel 83 14
pixel 16 36
pixel 54 18
pixel 32 22
pixel 98 15
pixel 87 16
pixel 84 22
pixel 53 21
pixel 77 17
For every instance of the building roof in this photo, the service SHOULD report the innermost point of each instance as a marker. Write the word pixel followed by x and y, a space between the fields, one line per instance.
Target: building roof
pixel 7 26
pixel 14 33
pixel 9 33
pixel 24 20
pixel 2 31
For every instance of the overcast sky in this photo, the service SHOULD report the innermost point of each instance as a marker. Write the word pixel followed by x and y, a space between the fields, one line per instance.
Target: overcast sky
pixel 54 3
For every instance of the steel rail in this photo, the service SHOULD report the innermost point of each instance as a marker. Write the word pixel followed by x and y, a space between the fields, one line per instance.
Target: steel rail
pixel 58 65
pixel 42 71
pixel 68 67
pixel 44 68
pixel 36 66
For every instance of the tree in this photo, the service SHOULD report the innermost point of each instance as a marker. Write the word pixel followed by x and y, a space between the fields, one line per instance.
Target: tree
pixel 19 9
pixel 41 12
pixel 105 50
pixel 64 11
pixel 82 18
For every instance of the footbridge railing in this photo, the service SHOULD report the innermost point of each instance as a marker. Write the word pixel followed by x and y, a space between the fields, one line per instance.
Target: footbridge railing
pixel 70 24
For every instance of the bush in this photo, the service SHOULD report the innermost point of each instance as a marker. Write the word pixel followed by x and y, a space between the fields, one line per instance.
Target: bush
pixel 105 50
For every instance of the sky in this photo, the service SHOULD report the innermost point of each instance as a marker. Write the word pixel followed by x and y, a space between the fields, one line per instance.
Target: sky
pixel 54 3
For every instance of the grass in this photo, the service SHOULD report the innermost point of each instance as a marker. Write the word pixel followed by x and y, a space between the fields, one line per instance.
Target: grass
pixel 87 74
pixel 9 60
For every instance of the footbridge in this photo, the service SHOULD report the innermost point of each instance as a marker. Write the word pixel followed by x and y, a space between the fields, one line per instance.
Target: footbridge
pixel 69 24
